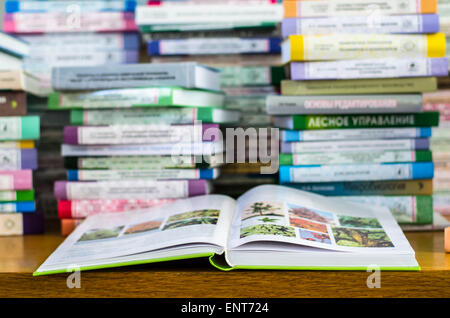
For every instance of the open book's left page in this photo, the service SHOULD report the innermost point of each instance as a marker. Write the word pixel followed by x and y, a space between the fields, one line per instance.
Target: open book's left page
pixel 186 228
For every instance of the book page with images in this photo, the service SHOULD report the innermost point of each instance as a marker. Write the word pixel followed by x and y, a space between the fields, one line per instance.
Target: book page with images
pixel 194 221
pixel 271 214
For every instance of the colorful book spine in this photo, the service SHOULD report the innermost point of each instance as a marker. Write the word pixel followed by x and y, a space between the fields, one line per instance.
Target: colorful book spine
pixel 19 128
pixel 17 207
pixel 354 157
pixel 69 225
pixel 362 46
pixel 405 209
pixel 306 9
pixel 374 68
pixel 409 85
pixel 161 174
pixel 135 189
pixel 363 172
pixel 383 24
pixel 88 42
pixel 311 122
pixel 137 163
pixel 13 103
pixel 18 159
pixel 348 104
pixel 354 134
pixel 16 180
pixel 38 60
pixel 27 23
pixel 80 209
pixel 21 223
pixel 13 6
pixel 396 187
pixel 151 116
pixel 24 195
pixel 142 134
pixel 188 75
pixel 25 144
pixel 194 149
pixel 213 46
pixel 355 145
pixel 234 76
pixel 135 97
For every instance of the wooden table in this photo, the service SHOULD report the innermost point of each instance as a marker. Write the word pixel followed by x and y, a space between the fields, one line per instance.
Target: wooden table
pixel 20 256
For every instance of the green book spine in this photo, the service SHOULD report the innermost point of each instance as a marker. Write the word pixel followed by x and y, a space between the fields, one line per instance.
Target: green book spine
pixel 205 114
pixel 359 86
pixel 20 195
pixel 311 122
pixel 30 128
pixel 424 206
pixel 77 117
pixel 278 73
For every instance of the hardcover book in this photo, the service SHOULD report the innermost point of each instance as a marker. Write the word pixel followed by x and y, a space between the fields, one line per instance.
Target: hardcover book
pixel 269 227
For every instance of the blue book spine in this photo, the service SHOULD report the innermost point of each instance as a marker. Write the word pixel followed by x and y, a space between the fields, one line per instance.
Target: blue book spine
pixel 208 174
pixel 343 173
pixel 131 41
pixel 20 207
pixel 72 175
pixel 14 6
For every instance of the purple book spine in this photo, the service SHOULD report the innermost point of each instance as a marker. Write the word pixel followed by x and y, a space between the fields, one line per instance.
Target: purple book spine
pixel 33 223
pixel 29 159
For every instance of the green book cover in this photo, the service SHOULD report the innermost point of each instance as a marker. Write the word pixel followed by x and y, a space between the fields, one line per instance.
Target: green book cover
pixel 310 122
pixel 136 97
pixel 20 195
pixel 20 128
pixel 359 86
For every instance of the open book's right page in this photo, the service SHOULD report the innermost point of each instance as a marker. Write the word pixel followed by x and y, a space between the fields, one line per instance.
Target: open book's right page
pixel 270 215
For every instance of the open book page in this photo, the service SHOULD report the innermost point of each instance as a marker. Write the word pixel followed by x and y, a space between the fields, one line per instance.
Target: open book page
pixel 194 222
pixel 269 215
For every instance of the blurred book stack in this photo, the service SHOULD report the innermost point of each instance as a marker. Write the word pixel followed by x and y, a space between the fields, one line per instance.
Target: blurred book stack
pixel 242 39
pixel 67 33
pixel 140 135
pixel 352 109
pixel 18 131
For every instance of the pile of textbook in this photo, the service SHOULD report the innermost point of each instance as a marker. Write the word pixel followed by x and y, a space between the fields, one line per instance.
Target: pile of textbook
pixel 18 157
pixel 140 135
pixel 242 39
pixel 352 109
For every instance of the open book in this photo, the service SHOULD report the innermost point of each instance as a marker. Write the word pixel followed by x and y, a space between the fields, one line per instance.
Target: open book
pixel 268 227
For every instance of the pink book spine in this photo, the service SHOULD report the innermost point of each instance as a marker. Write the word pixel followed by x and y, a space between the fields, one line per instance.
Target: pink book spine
pixel 16 180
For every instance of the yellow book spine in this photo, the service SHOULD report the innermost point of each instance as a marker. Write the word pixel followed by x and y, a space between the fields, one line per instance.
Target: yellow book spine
pixel 436 45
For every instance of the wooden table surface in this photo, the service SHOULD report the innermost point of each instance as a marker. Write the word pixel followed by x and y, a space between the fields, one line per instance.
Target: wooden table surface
pixel 20 256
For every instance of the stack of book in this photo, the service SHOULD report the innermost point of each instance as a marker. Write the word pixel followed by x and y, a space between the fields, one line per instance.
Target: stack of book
pixel 18 156
pixel 352 110
pixel 74 33
pixel 140 135
pixel 67 33
pixel 240 37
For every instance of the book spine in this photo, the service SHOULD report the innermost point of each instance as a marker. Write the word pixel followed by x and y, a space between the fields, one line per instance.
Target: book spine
pixel 306 9
pixel 30 23
pixel 135 189
pixel 80 209
pixel 112 98
pixel 130 163
pixel 21 223
pixel 25 144
pixel 339 105
pixel 17 207
pixel 38 61
pixel 162 174
pixel 355 145
pixel 354 157
pixel 16 180
pixel 8 196
pixel 424 119
pixel 204 148
pixel 213 46
pixel 13 6
pixel 408 85
pixel 75 135
pixel 399 187
pixel 234 76
pixel 17 128
pixel 396 24
pixel 18 159
pixel 355 134
pixel 138 116
pixel 69 225
pixel 207 14
pixel 333 173
pixel 362 46
pixel 13 103
pixel 376 68
pixel 405 209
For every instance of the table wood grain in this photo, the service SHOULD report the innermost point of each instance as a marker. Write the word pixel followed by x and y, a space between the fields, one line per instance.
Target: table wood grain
pixel 20 256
